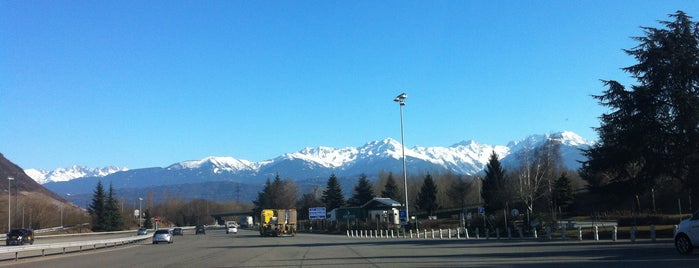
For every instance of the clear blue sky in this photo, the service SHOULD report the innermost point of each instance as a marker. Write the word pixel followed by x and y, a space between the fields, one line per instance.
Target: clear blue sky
pixel 147 83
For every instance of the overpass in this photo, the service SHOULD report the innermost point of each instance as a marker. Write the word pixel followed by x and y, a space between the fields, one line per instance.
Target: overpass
pixel 220 218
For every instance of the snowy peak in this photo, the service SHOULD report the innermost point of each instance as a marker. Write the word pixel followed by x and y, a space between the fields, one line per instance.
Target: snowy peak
pixel 67 174
pixel 216 164
pixel 323 156
pixel 384 148
pixel 564 137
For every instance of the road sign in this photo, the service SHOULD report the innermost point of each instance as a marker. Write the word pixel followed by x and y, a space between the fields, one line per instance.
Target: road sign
pixel 481 210
pixel 317 213
pixel 403 217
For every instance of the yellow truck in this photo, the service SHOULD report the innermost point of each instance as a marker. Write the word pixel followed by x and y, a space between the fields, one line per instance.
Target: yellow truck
pixel 278 222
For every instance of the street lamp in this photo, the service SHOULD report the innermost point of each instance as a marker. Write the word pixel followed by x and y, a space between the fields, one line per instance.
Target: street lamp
pixel 400 99
pixel 139 211
pixel 9 206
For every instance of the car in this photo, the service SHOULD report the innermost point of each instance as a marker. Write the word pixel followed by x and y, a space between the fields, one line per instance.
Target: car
pixel 200 229
pixel 232 229
pixel 162 235
pixel 20 237
pixel 177 231
pixel 687 235
pixel 142 231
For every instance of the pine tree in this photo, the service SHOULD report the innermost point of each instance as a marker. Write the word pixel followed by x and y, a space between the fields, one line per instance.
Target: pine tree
pixel 332 196
pixel 493 190
pixel 391 190
pixel 97 209
pixel 363 192
pixel 263 200
pixel 113 220
pixel 147 222
pixel 427 197
pixel 458 191
pixel 563 192
pixel 650 136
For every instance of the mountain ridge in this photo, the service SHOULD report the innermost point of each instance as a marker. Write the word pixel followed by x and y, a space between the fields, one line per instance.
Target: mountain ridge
pixel 465 157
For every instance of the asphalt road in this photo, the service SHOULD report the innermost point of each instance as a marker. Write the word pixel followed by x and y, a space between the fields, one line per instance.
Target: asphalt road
pixel 247 249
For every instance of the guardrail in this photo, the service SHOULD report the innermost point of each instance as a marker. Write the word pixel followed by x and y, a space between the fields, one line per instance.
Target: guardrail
pixel 79 245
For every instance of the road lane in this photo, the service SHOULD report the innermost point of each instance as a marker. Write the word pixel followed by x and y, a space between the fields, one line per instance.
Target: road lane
pixel 247 249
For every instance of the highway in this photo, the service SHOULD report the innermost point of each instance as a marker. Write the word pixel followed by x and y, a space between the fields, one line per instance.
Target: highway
pixel 247 249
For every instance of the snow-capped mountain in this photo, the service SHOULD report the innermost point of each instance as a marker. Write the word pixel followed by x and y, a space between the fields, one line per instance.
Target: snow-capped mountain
pixel 70 173
pixel 314 165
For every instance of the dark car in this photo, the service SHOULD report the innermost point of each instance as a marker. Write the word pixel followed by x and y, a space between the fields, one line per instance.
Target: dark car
pixel 20 237
pixel 177 231
pixel 200 229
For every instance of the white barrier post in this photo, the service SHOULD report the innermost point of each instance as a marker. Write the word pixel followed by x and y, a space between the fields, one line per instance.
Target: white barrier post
pixel 441 236
pixel 579 233
pixel 535 234
pixel 652 232
pixel 449 233
pixel 411 233
pixel 426 234
pixel 487 234
pixel 458 234
pixel 478 235
pixel 466 232
pixel 596 233
pixel 348 233
pixel 497 233
pixel 614 233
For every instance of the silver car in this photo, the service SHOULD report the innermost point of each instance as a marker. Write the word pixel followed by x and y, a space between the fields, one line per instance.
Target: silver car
pixel 687 236
pixel 162 235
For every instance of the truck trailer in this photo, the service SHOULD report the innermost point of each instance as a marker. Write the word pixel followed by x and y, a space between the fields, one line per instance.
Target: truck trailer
pixel 278 222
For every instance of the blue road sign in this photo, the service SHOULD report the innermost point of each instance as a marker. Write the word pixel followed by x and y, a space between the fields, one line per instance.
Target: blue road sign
pixel 317 213
pixel 481 210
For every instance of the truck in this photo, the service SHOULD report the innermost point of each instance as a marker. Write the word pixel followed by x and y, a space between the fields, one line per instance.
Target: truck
pixel 246 222
pixel 278 222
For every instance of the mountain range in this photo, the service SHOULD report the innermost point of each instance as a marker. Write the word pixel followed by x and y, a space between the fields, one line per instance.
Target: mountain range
pixel 308 167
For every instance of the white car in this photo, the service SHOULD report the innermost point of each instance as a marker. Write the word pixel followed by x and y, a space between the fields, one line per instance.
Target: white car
pixel 162 235
pixel 232 229
pixel 687 234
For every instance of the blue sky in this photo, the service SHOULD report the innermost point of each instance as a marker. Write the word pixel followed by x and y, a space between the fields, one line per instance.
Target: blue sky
pixel 136 84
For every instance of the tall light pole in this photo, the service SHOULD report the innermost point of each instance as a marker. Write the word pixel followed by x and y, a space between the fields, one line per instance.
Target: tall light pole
pixel 139 211
pixel 9 206
pixel 400 99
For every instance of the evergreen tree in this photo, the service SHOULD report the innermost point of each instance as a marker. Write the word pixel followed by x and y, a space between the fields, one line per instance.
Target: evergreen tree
pixel 280 194
pixel 563 192
pixel 651 133
pixel 458 191
pixel 97 209
pixel 391 190
pixel 263 199
pixel 427 197
pixel 493 189
pixel 363 192
pixel 113 220
pixel 332 196
pixel 147 222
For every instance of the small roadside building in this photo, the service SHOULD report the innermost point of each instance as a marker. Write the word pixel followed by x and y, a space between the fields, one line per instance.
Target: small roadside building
pixel 379 209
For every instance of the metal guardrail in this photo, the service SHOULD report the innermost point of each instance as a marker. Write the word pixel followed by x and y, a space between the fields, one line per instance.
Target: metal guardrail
pixel 80 245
